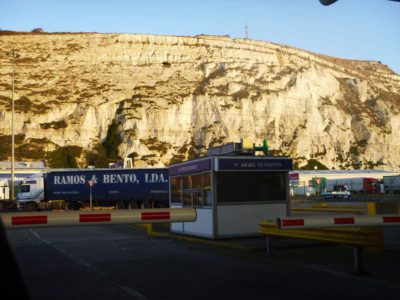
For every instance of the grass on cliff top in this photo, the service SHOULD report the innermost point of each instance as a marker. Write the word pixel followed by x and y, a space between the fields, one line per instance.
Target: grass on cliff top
pixel 12 32
pixel 365 66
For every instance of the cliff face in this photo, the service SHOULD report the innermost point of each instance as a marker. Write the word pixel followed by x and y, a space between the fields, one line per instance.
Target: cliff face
pixel 162 99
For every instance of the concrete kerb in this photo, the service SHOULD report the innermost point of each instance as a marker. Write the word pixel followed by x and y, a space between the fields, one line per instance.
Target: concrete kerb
pixel 357 257
pixel 197 240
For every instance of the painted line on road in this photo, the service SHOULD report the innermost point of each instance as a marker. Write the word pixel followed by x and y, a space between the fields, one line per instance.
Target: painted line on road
pixel 92 268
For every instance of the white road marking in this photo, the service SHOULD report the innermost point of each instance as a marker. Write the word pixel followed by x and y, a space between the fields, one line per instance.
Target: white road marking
pixel 92 268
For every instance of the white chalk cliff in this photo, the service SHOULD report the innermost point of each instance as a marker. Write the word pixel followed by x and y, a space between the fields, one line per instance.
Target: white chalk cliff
pixel 171 97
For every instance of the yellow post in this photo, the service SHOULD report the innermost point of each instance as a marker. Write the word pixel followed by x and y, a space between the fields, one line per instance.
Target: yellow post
pixel 371 208
pixel 150 229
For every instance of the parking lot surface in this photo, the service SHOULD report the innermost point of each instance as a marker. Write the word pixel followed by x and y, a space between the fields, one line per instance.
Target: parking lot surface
pixel 123 262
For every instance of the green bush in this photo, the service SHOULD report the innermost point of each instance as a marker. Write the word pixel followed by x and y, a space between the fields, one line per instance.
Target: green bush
pixel 97 157
pixel 112 141
pixel 64 157
pixel 55 125
pixel 5 145
pixel 311 165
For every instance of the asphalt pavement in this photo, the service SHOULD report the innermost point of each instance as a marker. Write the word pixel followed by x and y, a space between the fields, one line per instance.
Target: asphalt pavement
pixel 123 262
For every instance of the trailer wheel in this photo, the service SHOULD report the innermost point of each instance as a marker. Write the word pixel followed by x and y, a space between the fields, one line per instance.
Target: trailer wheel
pixel 31 206
pixel 133 205
pixel 120 205
pixel 71 206
pixel 146 204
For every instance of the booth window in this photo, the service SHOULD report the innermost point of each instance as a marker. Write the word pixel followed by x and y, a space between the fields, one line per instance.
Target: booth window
pixel 251 186
pixel 196 182
pixel 187 198
pixel 207 192
pixel 197 199
pixel 176 190
pixel 187 182
pixel 192 190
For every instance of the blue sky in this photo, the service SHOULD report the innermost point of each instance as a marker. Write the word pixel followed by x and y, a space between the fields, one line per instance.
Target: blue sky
pixel 355 29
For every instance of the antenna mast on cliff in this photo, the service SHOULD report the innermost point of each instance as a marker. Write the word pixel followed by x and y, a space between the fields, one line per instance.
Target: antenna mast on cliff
pixel 246 32
pixel 14 55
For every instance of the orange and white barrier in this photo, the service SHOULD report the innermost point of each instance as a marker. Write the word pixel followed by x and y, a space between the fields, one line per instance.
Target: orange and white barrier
pixel 337 221
pixel 77 218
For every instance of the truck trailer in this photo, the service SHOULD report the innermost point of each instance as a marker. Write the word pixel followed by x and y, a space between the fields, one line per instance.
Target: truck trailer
pixel 355 185
pixel 77 188
pixel 4 190
pixel 391 184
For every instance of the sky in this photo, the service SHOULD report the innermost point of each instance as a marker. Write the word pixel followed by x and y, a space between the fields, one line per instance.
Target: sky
pixel 354 29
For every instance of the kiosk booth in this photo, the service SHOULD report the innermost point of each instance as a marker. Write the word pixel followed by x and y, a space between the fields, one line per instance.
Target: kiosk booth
pixel 231 194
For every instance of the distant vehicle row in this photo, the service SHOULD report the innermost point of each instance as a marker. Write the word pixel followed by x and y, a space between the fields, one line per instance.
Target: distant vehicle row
pixel 149 187
pixel 338 192
pixel 389 184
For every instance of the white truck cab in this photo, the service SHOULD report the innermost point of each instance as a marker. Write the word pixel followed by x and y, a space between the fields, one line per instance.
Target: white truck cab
pixel 339 191
pixel 31 193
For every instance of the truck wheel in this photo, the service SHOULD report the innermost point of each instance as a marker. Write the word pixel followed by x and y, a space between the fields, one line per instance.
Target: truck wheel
pixel 31 207
pixel 146 204
pixel 67 206
pixel 133 205
pixel 71 206
pixel 120 205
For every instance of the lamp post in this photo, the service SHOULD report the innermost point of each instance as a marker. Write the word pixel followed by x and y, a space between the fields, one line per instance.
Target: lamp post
pixel 13 54
pixel 315 178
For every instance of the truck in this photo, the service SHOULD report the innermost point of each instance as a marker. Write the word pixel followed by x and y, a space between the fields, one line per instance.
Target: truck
pixel 355 185
pixel 4 195
pixel 338 191
pixel 4 189
pixel 76 188
pixel 6 203
pixel 391 184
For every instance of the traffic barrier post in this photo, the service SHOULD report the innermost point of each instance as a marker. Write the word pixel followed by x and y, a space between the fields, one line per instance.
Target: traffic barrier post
pixel 370 238
pixel 337 221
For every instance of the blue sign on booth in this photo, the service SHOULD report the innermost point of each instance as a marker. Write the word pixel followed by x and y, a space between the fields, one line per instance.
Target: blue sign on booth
pixel 190 167
pixel 256 164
